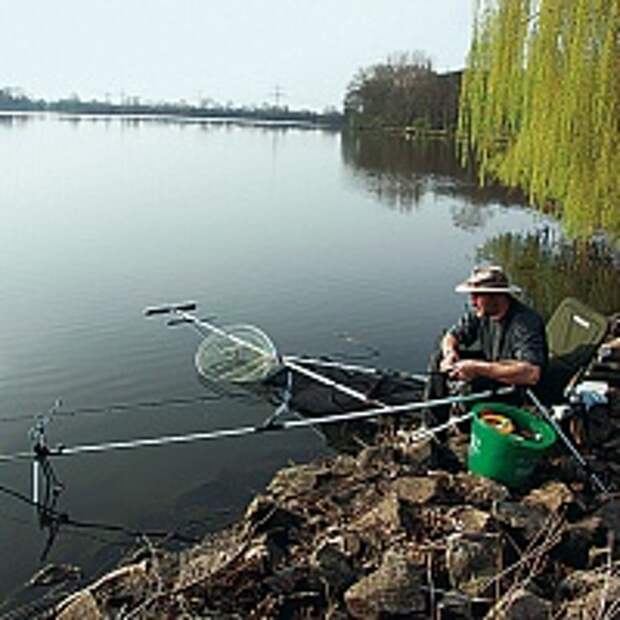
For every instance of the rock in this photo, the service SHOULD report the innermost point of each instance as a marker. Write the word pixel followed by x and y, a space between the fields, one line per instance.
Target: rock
pixel 519 604
pixel 128 582
pixel 394 588
pixel 471 559
pixel 531 520
pixel 126 585
pixel 589 594
pixel 80 606
pixel 375 457
pixel 264 514
pixel 293 481
pixel 351 544
pixel 332 564
pixel 478 491
pixel 421 490
pixel 578 539
pixel 454 606
pixel 459 445
pixel 468 519
pixel 343 466
pixel 582 582
pixel 381 522
pixel 609 514
pixel 415 455
pixel 54 574
pixel 212 557
pixel 552 496
pixel 263 553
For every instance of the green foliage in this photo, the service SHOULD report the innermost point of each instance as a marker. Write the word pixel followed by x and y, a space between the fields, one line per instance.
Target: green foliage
pixel 540 105
pixel 550 268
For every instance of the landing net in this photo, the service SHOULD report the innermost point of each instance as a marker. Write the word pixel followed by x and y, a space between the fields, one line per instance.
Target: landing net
pixel 237 354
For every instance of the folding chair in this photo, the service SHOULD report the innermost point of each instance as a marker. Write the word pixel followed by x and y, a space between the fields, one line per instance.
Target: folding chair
pixel 574 333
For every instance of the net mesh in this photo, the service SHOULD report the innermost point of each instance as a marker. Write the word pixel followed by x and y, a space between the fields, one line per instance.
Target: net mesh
pixel 244 355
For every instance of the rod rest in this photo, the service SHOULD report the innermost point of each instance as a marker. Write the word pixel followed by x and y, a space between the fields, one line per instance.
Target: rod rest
pixel 187 306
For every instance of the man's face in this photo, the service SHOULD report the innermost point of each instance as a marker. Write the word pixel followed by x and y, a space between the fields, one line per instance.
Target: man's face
pixel 485 304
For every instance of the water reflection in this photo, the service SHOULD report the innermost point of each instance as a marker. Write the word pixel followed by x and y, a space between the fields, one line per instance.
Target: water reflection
pixel 182 122
pixel 12 121
pixel 550 267
pixel 400 172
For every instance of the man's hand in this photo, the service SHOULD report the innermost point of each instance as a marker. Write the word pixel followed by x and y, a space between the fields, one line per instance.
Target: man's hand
pixel 465 370
pixel 449 358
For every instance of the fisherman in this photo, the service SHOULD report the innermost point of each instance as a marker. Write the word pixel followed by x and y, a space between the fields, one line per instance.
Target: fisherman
pixel 499 341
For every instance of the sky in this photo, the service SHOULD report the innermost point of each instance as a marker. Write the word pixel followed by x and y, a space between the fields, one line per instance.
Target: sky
pixel 241 51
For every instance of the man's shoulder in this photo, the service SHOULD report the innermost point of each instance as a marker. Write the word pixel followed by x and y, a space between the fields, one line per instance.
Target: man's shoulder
pixel 523 313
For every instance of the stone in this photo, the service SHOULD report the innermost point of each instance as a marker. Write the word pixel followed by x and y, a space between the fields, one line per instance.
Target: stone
pixel 420 490
pixel 385 517
pixel 454 606
pixel 332 564
pixel 578 539
pixel 478 491
pixel 582 582
pixel 80 606
pixel 263 553
pixel 212 557
pixel 590 594
pixel 519 604
pixel 54 574
pixel 609 514
pixel 125 582
pixel 531 520
pixel 394 588
pixel 416 455
pixel 552 496
pixel 344 465
pixel 459 445
pixel 375 456
pixel 471 559
pixel 264 514
pixel 293 481
pixel 468 519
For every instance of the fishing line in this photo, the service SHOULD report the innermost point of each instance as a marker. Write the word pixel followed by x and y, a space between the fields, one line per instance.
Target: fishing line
pixel 178 401
pixel 369 350
pixel 64 519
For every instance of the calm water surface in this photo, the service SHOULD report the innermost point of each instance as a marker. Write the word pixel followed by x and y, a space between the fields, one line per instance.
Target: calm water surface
pixel 307 234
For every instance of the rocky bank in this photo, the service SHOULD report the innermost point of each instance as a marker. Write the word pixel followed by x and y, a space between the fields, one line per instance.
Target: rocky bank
pixel 398 530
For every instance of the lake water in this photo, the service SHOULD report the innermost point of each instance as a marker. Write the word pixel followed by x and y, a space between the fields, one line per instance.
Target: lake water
pixel 307 234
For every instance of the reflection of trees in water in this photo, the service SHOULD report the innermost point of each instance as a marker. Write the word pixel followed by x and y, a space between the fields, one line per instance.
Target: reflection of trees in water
pixel 550 268
pixel 10 121
pixel 400 172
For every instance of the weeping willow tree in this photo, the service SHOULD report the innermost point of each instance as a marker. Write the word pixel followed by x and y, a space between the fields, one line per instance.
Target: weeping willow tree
pixel 540 105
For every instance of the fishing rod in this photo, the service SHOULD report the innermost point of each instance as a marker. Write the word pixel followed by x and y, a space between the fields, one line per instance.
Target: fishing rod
pixel 421 376
pixel 567 442
pixel 62 450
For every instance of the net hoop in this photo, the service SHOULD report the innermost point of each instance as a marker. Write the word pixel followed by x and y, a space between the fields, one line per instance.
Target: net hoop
pixel 237 354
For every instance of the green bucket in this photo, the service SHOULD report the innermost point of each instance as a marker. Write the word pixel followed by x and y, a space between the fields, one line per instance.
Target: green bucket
pixel 507 458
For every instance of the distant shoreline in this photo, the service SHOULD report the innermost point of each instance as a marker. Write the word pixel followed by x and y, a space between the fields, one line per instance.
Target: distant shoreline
pixel 176 118
pixel 270 117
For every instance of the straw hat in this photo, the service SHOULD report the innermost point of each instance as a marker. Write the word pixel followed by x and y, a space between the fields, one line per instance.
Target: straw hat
pixel 491 279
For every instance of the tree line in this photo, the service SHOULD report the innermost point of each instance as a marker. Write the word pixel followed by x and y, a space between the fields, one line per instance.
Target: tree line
pixel 12 99
pixel 536 108
pixel 405 92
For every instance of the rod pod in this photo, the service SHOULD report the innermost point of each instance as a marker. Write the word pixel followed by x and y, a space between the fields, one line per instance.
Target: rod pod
pixel 567 442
